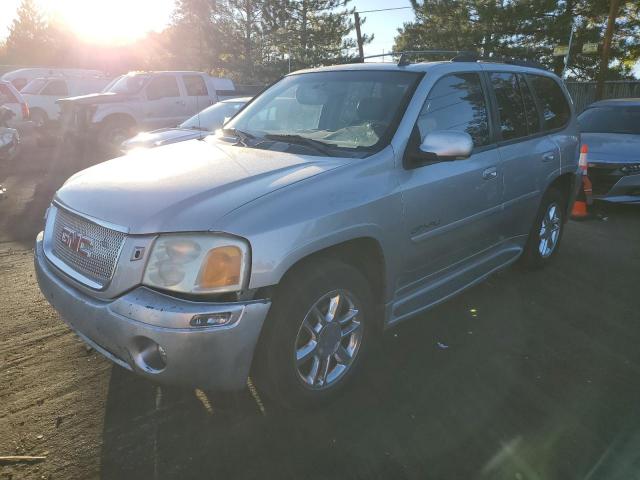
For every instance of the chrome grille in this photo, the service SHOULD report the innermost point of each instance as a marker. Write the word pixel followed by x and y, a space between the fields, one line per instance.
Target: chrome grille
pixel 106 244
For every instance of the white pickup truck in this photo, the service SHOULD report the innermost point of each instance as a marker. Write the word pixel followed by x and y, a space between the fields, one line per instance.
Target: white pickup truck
pixel 142 101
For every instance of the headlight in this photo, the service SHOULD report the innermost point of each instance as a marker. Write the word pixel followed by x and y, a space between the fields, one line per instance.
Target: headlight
pixel 198 263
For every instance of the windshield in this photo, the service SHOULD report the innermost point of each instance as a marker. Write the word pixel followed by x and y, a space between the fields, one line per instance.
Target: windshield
pixel 212 118
pixel 107 87
pixel 129 84
pixel 346 110
pixel 610 120
pixel 34 86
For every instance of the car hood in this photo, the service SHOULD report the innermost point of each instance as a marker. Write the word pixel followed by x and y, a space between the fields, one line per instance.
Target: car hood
pixel 612 147
pixel 162 136
pixel 95 99
pixel 186 186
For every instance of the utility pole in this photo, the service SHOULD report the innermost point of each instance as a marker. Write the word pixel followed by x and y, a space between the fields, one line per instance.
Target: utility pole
pixel 566 57
pixel 356 15
pixel 606 47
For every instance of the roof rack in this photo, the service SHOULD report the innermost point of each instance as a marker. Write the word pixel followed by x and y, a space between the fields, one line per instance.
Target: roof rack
pixel 404 56
pixel 457 56
pixel 474 57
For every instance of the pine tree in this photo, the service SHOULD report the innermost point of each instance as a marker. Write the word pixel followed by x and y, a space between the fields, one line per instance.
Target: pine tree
pixel 526 29
pixel 28 36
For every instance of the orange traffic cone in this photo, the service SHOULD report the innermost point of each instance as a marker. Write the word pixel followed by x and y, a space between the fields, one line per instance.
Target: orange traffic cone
pixel 580 209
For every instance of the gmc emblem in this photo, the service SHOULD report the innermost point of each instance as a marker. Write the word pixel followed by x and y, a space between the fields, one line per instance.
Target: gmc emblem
pixel 76 242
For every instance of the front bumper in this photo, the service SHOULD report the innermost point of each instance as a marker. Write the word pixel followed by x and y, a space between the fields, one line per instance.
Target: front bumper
pixel 127 329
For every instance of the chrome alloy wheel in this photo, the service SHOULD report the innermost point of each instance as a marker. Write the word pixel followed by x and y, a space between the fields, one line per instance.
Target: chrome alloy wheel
pixel 549 230
pixel 328 340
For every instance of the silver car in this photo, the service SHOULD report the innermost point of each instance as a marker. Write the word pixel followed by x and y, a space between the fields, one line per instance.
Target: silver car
pixel 340 202
pixel 611 131
pixel 199 126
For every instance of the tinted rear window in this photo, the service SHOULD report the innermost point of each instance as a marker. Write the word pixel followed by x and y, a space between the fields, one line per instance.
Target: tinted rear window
pixel 195 86
pixel 533 118
pixel 513 120
pixel 610 120
pixel 555 109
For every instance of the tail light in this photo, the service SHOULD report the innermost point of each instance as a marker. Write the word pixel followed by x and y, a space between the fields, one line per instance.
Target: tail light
pixel 25 110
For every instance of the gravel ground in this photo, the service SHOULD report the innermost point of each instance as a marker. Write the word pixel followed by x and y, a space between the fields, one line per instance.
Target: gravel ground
pixel 528 375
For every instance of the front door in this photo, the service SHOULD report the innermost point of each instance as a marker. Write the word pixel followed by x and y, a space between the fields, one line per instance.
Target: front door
pixel 452 208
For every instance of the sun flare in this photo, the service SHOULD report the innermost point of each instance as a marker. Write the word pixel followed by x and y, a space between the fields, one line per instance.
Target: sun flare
pixel 113 21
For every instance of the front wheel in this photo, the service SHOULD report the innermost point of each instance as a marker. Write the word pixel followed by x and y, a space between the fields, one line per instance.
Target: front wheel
pixel 544 239
pixel 316 334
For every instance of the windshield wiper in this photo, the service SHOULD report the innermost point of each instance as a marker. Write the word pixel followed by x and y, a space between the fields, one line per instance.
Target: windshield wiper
pixel 242 136
pixel 317 145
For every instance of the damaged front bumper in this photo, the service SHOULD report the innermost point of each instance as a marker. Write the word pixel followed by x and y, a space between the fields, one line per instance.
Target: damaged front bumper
pixel 149 333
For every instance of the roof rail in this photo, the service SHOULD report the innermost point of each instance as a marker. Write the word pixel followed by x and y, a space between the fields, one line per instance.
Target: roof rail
pixel 404 56
pixel 474 57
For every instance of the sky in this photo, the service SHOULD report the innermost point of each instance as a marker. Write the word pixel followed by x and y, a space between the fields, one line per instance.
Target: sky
pixel 94 19
pixel 153 15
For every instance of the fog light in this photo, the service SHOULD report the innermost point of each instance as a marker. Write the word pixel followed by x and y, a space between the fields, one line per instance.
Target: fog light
pixel 211 319
pixel 163 354
pixel 148 355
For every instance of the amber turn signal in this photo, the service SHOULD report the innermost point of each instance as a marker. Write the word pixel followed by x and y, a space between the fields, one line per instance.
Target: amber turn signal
pixel 222 267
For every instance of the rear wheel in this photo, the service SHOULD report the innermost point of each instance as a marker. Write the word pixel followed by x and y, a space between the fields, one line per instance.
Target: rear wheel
pixel 316 334
pixel 114 131
pixel 546 233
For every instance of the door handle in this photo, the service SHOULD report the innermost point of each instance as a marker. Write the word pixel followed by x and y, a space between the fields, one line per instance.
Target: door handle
pixel 489 173
pixel 548 157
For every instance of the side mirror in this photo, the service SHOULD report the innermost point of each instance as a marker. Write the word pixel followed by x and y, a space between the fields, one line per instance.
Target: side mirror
pixel 442 145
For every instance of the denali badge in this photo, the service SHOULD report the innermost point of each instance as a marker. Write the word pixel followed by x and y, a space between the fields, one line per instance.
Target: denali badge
pixel 76 242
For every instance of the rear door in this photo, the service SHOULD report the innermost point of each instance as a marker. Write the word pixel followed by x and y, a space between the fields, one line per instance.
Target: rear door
pixel 452 208
pixel 528 157
pixel 556 118
pixel 165 107
pixel 197 95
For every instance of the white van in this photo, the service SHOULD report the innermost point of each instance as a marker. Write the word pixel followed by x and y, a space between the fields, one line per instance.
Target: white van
pixel 41 94
pixel 19 78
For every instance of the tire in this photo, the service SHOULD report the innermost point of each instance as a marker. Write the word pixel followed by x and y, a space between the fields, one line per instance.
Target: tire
pixel 537 254
pixel 114 131
pixel 39 118
pixel 277 372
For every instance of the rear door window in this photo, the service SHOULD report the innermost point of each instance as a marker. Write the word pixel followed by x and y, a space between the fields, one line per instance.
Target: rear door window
pixel 457 102
pixel 163 87
pixel 511 110
pixel 195 86
pixel 530 109
pixel 555 109
pixel 55 88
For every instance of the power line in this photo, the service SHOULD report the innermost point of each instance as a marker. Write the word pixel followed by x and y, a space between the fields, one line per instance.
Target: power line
pixel 384 9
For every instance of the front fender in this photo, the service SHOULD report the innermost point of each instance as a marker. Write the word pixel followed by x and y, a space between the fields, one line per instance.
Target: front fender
pixel 270 270
pixel 104 111
pixel 357 201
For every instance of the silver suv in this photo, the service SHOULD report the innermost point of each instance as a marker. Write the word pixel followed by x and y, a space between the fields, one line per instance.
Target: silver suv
pixel 338 203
